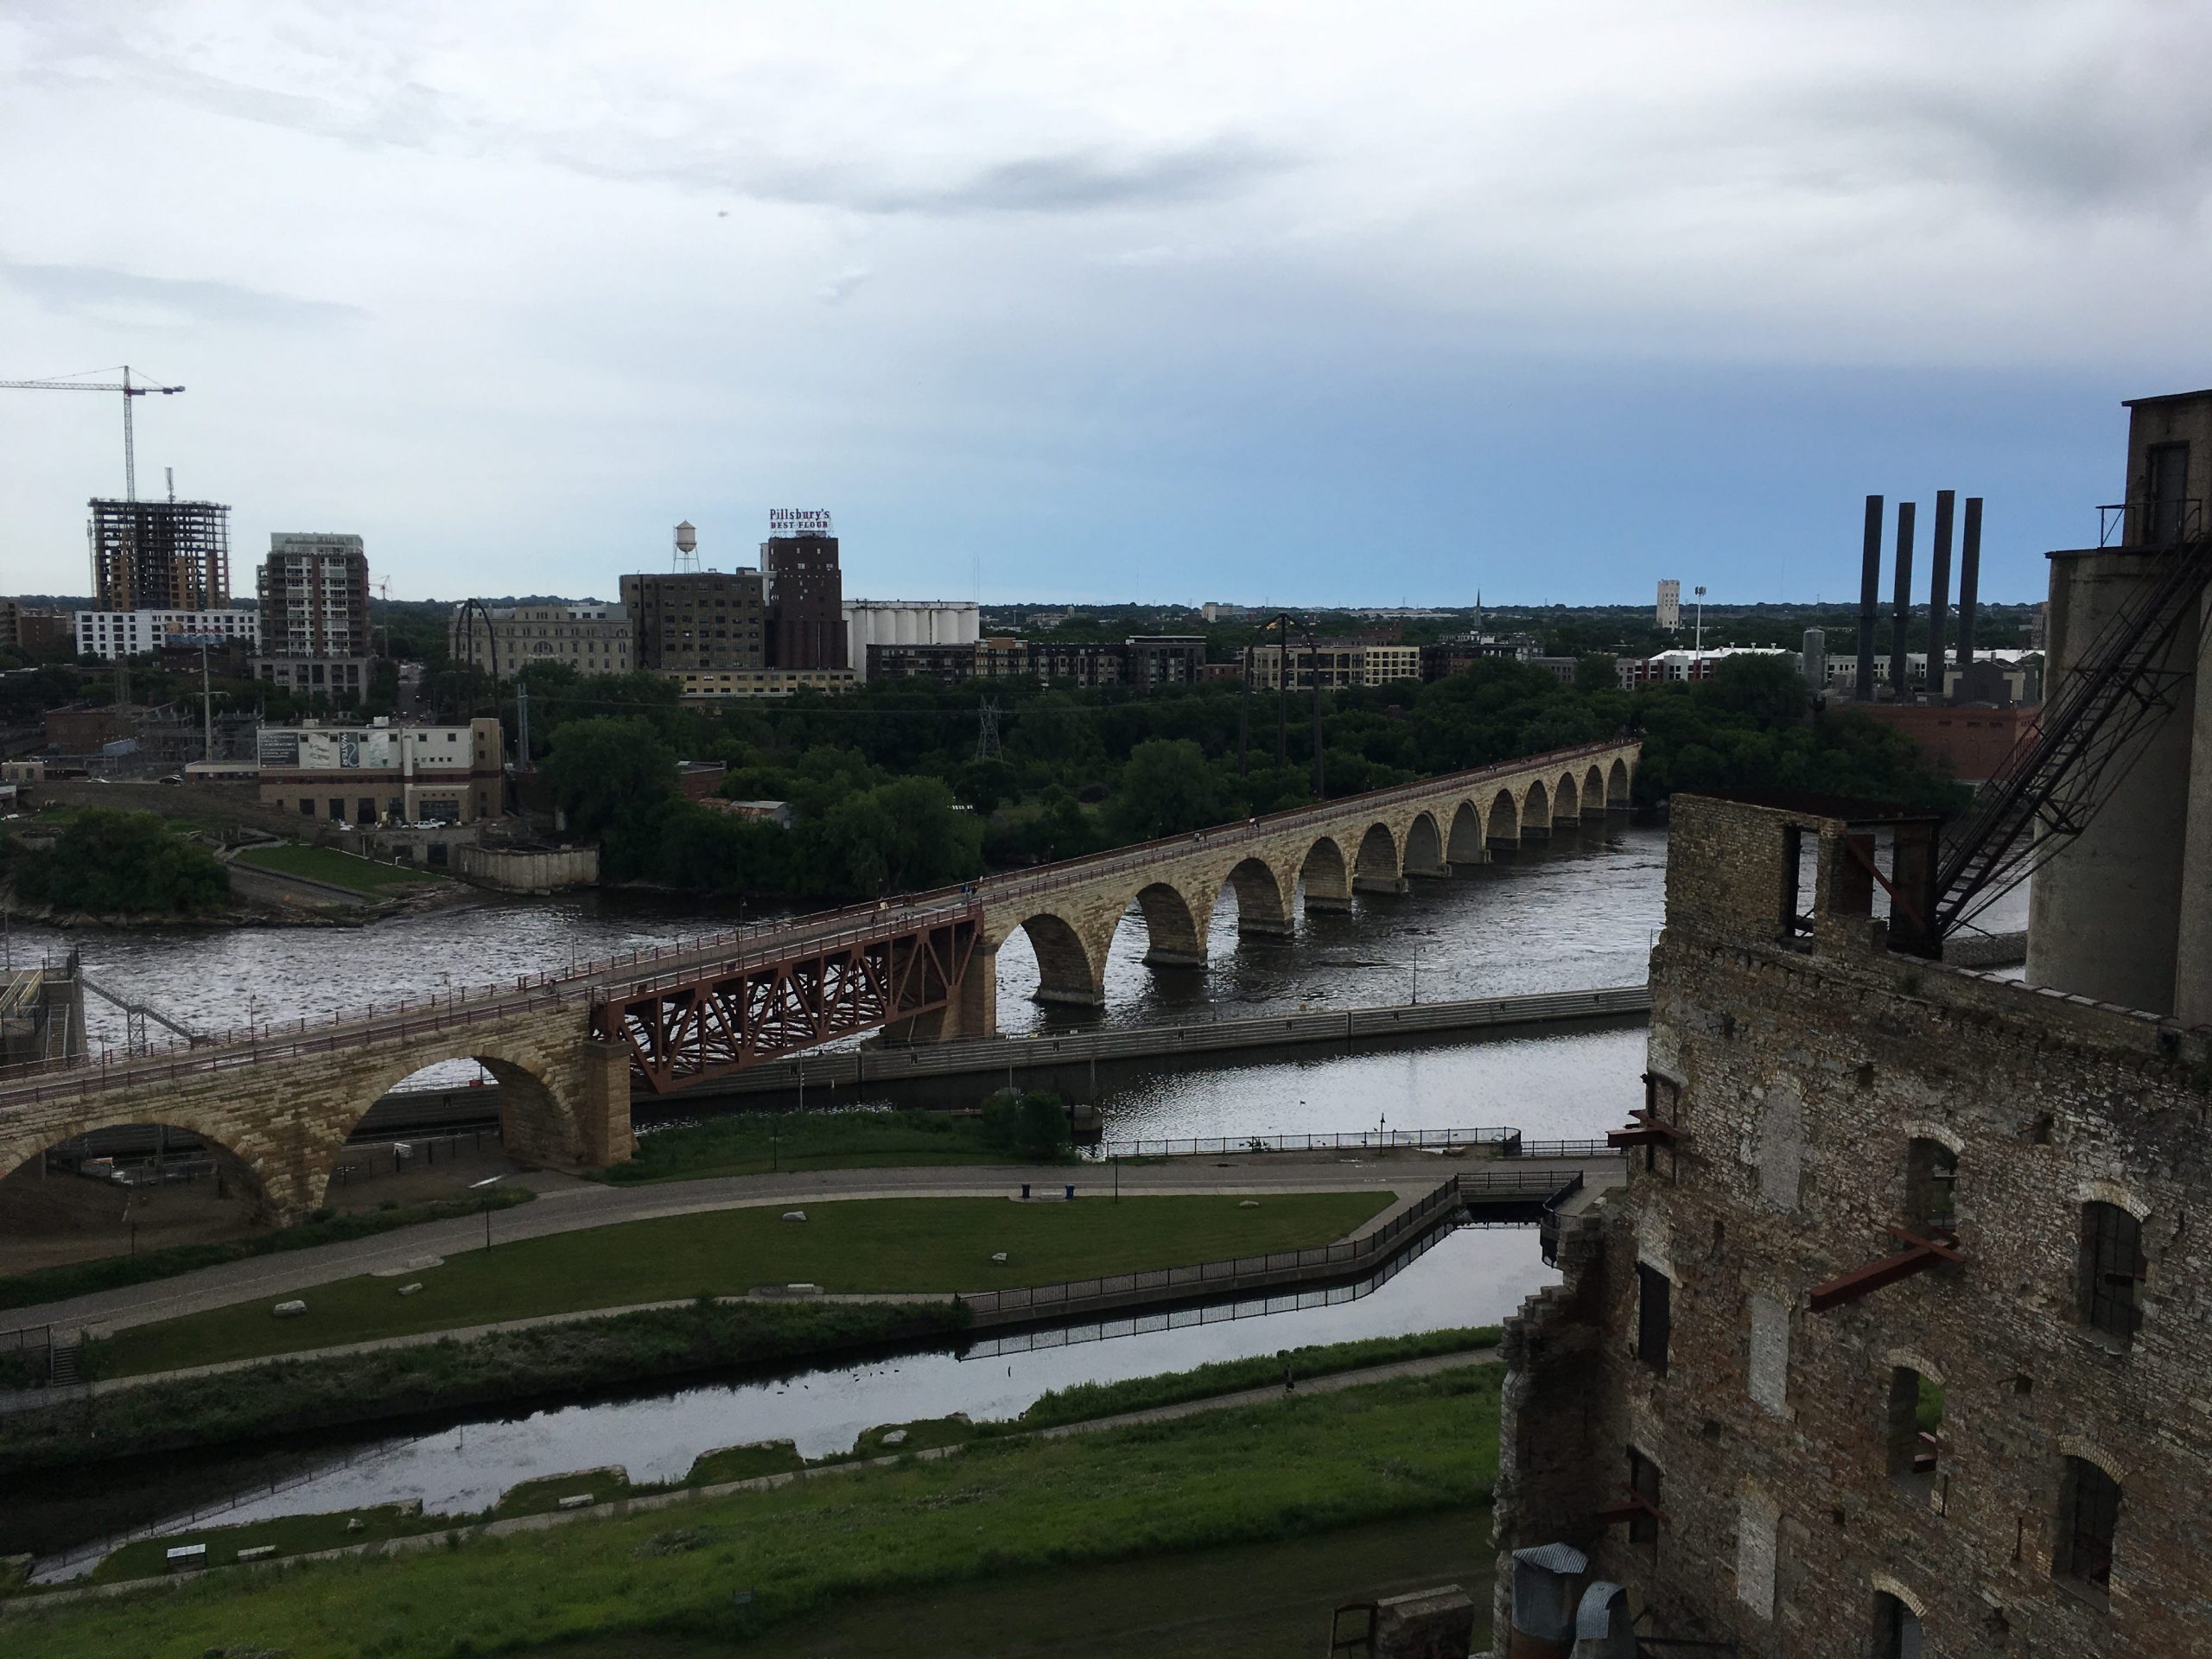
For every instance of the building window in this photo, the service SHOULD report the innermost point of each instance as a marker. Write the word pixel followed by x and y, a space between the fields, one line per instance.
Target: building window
pixel 1654 1316
pixel 1767 1372
pixel 1644 1482
pixel 2089 1516
pixel 2111 1267
pixel 1915 1430
pixel 1930 1187
pixel 1896 1629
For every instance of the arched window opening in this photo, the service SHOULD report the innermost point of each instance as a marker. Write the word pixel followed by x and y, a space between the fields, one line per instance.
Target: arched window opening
pixel 2088 1519
pixel 1896 1629
pixel 2112 1272
pixel 1931 1185
pixel 1916 1435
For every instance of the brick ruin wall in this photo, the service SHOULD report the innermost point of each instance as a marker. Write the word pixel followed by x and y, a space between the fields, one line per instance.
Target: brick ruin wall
pixel 1803 1074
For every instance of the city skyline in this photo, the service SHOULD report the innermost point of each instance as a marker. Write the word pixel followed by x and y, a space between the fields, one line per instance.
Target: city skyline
pixel 1149 308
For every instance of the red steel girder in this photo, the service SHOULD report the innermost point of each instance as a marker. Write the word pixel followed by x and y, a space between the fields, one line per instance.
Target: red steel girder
pixel 687 1029
pixel 1919 1255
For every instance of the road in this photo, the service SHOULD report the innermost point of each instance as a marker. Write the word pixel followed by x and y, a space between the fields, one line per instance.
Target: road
pixel 566 1204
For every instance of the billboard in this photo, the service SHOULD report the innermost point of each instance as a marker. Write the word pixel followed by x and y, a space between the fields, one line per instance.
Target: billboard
pixel 335 750
pixel 798 521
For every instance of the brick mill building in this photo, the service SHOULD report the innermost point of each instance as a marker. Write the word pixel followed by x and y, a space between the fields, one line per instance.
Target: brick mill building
pixel 1899 1342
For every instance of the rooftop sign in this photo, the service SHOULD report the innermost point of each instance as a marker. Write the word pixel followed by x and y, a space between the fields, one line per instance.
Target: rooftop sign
pixel 798 521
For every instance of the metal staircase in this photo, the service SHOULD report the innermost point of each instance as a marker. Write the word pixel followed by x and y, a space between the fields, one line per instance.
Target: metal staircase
pixel 2093 729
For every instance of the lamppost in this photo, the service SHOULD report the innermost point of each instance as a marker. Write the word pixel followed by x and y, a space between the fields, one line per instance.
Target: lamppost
pixel 480 1186
pixel 1699 592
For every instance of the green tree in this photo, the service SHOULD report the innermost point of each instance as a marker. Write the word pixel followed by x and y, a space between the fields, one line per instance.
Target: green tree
pixel 1168 787
pixel 607 772
pixel 124 863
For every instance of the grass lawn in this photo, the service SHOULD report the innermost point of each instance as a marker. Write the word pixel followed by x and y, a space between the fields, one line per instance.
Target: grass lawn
pixel 809 1550
pixel 338 869
pixel 751 1143
pixel 880 1245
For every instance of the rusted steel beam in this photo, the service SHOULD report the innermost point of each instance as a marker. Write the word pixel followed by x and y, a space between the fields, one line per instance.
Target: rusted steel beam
pixel 1633 1507
pixel 1646 1129
pixel 1918 1256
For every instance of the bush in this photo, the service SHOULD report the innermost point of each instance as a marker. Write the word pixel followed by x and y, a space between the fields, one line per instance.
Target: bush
pixel 1028 1121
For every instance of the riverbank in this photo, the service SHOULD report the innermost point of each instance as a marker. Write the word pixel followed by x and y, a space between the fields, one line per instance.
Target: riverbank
pixel 514 1367
pixel 880 1246
pixel 1414 1445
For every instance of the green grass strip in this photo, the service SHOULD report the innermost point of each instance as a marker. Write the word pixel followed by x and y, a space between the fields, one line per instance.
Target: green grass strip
pixel 334 868
pixel 1086 1400
pixel 881 1245
pixel 1410 1445
pixel 114 1271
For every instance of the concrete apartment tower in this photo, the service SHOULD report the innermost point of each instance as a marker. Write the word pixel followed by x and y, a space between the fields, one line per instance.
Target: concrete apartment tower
pixel 314 588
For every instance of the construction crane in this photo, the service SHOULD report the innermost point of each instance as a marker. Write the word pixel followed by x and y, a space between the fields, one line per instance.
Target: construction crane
pixel 129 391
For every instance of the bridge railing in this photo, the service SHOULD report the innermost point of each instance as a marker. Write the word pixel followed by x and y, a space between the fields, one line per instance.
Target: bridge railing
pixel 1355 1141
pixel 823 930
pixel 1046 1301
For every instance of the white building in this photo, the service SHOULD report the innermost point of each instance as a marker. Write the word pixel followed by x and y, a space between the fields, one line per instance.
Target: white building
pixel 1674 666
pixel 1670 604
pixel 906 622
pixel 110 634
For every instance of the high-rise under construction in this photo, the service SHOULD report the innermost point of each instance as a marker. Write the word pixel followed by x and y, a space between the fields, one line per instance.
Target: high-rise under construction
pixel 160 555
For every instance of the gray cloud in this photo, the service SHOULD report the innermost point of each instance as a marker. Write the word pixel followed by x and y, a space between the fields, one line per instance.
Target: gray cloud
pixel 87 290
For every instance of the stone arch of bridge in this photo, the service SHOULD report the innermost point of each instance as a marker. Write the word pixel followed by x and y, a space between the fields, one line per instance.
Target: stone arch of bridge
pixel 1264 897
pixel 22 1156
pixel 1071 968
pixel 1424 847
pixel 1175 928
pixel 1567 801
pixel 1465 844
pixel 541 1121
pixel 1536 812
pixel 1593 792
pixel 1502 826
pixel 1617 781
pixel 1379 867
pixel 1325 876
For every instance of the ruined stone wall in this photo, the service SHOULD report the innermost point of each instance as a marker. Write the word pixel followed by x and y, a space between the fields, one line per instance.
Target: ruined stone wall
pixel 1805 1071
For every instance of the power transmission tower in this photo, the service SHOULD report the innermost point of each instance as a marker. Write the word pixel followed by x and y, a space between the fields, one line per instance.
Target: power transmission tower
pixel 987 731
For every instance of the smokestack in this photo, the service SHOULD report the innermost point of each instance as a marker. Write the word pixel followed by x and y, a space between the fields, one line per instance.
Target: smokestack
pixel 1939 591
pixel 1903 600
pixel 1969 579
pixel 1870 598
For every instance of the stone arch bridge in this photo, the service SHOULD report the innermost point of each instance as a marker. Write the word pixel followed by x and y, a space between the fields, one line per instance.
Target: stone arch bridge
pixel 569 1048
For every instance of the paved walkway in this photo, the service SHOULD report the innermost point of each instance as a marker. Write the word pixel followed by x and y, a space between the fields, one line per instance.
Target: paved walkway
pixel 564 1204
pixel 1246 1397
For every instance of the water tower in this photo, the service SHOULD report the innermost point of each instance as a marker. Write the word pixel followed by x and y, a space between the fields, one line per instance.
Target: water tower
pixel 687 546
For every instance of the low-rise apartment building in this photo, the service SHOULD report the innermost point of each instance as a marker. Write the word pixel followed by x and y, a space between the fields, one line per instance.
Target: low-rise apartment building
pixel 110 634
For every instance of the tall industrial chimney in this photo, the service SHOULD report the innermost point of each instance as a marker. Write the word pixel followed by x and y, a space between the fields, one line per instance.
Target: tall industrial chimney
pixel 1869 599
pixel 1969 579
pixel 1903 620
pixel 1939 591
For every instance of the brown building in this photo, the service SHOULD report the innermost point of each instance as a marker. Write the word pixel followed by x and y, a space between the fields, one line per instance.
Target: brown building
pixel 381 773
pixel 44 635
pixel 806 601
pixel 698 620
pixel 1894 1343
pixel 160 555
pixel 1968 742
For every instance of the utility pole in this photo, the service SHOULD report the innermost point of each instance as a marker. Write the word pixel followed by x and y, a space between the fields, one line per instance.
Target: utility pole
pixel 206 707
pixel 1699 673
pixel 522 725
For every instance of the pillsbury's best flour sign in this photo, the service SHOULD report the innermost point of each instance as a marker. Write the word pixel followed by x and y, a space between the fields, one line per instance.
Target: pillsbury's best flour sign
pixel 798 521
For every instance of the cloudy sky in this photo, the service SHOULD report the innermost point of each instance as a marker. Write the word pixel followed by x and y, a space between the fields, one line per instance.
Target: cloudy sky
pixel 1301 302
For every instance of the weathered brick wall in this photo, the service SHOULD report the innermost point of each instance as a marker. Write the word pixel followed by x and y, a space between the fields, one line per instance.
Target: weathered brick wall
pixel 1805 1074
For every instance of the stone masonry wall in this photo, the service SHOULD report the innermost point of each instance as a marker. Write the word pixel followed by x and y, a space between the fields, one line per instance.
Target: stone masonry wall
pixel 1804 1073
